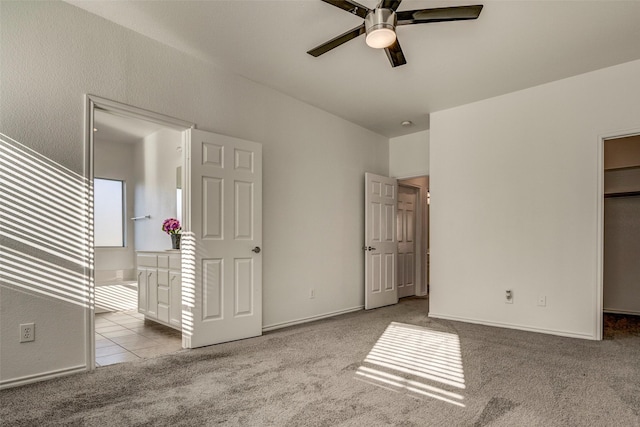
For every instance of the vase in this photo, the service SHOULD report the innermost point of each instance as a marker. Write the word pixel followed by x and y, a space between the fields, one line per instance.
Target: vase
pixel 175 241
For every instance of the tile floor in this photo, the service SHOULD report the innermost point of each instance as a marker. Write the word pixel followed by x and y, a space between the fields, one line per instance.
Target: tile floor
pixel 124 336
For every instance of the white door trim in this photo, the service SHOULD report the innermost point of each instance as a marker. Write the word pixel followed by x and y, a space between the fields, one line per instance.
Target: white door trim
pixel 92 103
pixel 599 297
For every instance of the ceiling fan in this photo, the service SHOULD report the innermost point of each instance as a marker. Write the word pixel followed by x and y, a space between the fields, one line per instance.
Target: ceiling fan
pixel 380 24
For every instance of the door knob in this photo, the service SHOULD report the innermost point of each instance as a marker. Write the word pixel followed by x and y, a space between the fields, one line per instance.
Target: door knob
pixel 369 248
pixel 256 249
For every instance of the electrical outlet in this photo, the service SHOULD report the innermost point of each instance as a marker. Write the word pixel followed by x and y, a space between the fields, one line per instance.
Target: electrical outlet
pixel 542 300
pixel 27 332
pixel 508 296
pixel 312 293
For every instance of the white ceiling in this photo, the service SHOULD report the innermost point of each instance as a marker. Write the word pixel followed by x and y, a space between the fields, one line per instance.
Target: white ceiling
pixel 512 46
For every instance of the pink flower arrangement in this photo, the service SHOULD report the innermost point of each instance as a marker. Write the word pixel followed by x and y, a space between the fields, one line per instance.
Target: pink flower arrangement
pixel 171 226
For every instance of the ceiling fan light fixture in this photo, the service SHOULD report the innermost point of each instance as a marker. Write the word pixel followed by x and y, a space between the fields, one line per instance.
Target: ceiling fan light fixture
pixel 380 25
pixel 381 38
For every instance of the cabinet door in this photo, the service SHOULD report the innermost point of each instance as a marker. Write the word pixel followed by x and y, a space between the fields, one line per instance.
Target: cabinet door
pixel 175 298
pixel 152 293
pixel 142 290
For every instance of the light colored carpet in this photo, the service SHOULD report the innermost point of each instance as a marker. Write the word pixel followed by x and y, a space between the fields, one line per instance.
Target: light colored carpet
pixel 390 366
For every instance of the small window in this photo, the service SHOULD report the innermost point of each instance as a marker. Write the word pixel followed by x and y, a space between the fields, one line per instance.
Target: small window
pixel 108 212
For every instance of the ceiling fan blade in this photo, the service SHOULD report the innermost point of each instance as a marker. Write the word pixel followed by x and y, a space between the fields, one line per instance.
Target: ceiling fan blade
pixel 390 4
pixel 335 42
pixel 350 6
pixel 440 14
pixel 395 55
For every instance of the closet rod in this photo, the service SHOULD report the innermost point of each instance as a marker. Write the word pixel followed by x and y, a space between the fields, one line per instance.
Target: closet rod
pixel 624 194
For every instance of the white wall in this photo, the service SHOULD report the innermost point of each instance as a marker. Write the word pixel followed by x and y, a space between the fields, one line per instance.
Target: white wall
pixel 53 53
pixel 156 160
pixel 515 199
pixel 409 155
pixel 115 161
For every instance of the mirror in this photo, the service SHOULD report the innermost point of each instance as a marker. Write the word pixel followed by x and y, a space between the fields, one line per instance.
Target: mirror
pixel 179 194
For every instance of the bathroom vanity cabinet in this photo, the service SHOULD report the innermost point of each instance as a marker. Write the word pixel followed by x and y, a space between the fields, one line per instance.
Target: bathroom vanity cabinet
pixel 160 287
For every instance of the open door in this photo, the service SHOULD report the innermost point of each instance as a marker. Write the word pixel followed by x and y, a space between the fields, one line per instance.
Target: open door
pixel 381 246
pixel 406 232
pixel 221 254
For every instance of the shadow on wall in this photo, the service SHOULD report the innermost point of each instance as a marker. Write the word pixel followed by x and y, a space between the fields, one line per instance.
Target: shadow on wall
pixel 45 226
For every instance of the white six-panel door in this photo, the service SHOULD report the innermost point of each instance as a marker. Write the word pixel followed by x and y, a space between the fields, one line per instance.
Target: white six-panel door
pixel 221 245
pixel 406 230
pixel 381 195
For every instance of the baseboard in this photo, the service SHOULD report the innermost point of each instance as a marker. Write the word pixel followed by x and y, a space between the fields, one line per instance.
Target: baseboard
pixel 41 377
pixel 514 326
pixel 614 311
pixel 310 319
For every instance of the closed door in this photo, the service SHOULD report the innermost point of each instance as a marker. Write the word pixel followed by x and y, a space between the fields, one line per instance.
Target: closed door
pixel 406 231
pixel 380 241
pixel 150 289
pixel 221 248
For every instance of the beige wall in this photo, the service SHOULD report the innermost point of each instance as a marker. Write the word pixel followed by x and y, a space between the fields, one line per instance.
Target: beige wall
pixel 409 155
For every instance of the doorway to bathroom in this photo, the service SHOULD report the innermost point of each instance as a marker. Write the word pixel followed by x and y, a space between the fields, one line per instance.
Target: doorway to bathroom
pixel 209 290
pixel 137 186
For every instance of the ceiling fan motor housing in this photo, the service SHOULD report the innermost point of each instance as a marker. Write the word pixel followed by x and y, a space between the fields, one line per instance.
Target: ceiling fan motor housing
pixel 379 19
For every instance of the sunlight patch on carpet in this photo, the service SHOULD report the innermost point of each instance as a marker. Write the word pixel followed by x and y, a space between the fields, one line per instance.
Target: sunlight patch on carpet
pixel 417 361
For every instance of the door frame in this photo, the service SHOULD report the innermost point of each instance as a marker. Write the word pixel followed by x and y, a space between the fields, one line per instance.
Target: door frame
pixel 599 296
pixel 93 102
pixel 422 269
